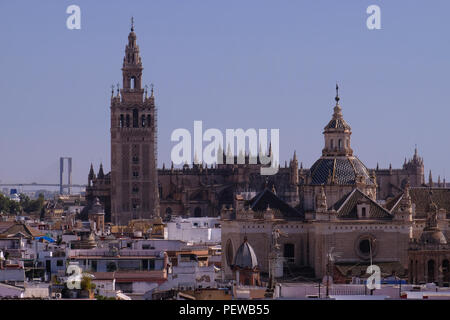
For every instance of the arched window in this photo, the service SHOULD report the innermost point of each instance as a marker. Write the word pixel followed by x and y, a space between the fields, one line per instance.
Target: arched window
pixel 197 212
pixel 132 82
pixel 127 120
pixel 363 212
pixel 135 118
pixel 332 144
pixel 149 117
pixel 121 121
pixel 143 121
pixel 340 144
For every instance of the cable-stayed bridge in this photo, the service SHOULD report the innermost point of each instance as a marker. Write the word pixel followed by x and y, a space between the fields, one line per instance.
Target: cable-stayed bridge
pixel 62 185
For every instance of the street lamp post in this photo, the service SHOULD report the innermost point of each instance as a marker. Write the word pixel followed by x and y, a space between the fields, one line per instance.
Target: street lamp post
pixel 328 278
pixel 371 261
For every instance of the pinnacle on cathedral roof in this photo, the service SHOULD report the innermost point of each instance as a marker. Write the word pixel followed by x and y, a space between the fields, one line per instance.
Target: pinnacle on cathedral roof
pixel 337 94
pixel 100 172
pixel 91 173
pixel 337 108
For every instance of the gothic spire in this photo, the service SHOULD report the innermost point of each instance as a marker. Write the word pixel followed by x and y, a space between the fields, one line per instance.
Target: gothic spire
pixel 91 173
pixel 220 155
pixel 101 174
pixel 196 158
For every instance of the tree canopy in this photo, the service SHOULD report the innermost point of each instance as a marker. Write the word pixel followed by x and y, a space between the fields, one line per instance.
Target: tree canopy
pixel 24 205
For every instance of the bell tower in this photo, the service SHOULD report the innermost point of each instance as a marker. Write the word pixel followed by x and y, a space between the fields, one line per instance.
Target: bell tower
pixel 132 70
pixel 134 176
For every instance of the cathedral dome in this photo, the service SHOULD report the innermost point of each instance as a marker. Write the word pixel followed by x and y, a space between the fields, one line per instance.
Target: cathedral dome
pixel 97 207
pixel 338 165
pixel 245 257
pixel 433 236
pixel 340 170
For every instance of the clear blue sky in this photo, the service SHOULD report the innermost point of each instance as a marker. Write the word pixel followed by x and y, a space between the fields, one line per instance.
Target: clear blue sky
pixel 232 64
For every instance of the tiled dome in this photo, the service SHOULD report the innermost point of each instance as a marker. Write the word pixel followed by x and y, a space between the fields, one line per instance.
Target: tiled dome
pixel 343 170
pixel 245 257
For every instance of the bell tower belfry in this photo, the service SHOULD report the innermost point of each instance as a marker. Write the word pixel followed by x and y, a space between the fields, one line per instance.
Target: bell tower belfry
pixel 134 176
pixel 132 70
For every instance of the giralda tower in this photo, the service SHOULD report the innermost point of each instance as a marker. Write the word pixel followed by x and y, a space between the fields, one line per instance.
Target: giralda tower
pixel 134 176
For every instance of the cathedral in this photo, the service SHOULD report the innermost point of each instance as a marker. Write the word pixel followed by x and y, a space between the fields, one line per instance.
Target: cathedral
pixel 338 205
